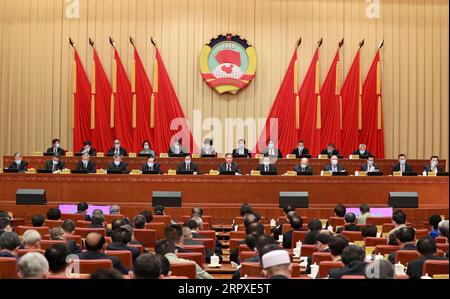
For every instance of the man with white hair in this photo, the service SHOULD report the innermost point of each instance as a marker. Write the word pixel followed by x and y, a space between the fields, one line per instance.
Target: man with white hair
pixel 114 210
pixel 33 265
pixel 276 263
pixel 362 151
pixel 32 239
pixel 443 228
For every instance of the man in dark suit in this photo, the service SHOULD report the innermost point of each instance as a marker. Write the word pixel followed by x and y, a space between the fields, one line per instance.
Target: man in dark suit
pixel 19 163
pixel 151 165
pixel 55 164
pixel 86 163
pixel 56 148
pixel 9 245
pixel 120 238
pixel 303 166
pixel 296 225
pixel 334 165
pixel 87 148
pixel 433 166
pixel 117 149
pixel 401 165
pixel 322 239
pixel 266 165
pixel 350 219
pixel 229 165
pixel 427 249
pixel 330 151
pixel 353 259
pixel 370 166
pixel 95 244
pixel 98 220
pixel 176 149
pixel 271 150
pixel 405 239
pixel 187 164
pixel 300 151
pixel 57 233
pixel 68 227
pixel 241 150
pixel 82 208
pixel 118 164
pixel 362 151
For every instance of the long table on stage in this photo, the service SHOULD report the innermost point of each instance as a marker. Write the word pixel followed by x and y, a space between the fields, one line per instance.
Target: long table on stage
pixel 206 164
pixel 221 196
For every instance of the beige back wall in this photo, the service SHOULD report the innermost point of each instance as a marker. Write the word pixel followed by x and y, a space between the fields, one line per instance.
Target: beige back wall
pixel 35 59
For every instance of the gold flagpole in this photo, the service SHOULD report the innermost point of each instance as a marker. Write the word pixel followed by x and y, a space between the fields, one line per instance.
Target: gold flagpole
pixel 155 91
pixel 134 111
pixel 93 91
pixel 379 94
pixel 133 90
pixel 74 86
pixel 114 90
pixel 319 115
pixel 297 98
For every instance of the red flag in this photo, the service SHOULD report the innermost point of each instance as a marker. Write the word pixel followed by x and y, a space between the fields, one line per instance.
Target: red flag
pixel 82 108
pixel 372 118
pixel 122 105
pixel 143 92
pixel 282 123
pixel 331 106
pixel 103 134
pixel 310 118
pixel 169 120
pixel 350 105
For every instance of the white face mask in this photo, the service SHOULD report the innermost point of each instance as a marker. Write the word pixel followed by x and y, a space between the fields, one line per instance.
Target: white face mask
pixel 402 162
pixel 146 147
pixel 241 145
pixel 334 162
pixel 370 163
pixel 150 164
pixel 303 166
pixel 329 151
pixel 87 148
pixel 270 145
pixel 117 145
pixel 300 147
pixel 18 162
pixel 117 163
pixel 56 145
pixel 434 164
pixel 361 152
pixel 55 162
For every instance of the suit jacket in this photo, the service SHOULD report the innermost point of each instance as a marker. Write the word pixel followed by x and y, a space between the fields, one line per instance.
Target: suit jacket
pixel 121 246
pixel 325 152
pixel 408 246
pixel 122 151
pixel 310 238
pixel 237 273
pixel 296 152
pixel 107 229
pixel 49 165
pixel 428 168
pixel 349 227
pixel 365 166
pixel 95 255
pixel 276 151
pixel 7 254
pixel 218 245
pixel 22 167
pixel 272 168
pixel 329 167
pixel 73 247
pixel 122 166
pixel 59 151
pixel 92 151
pixel 353 268
pixel 298 168
pixel 234 254
pixel 308 267
pixel 182 153
pixel 156 167
pixel 287 239
pixel 246 152
pixel 90 167
pixel 182 166
pixel 365 154
pixel 408 168
pixel 234 167
pixel 208 252
pixel 415 267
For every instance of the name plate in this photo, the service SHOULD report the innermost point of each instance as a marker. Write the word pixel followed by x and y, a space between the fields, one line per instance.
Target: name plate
pixel 172 172
pixel 440 276
pixel 100 154
pixel 136 172
pixel 164 155
pixel 259 156
pixel 37 154
pixel 196 156
pixel 255 172
pixel 353 157
pixel 65 171
pixel 213 172
pixel 322 157
pixel 132 155
pixel 369 250
pixel 379 228
pixel 360 173
pixel 69 154
pixel 291 173
pixel 100 171
pixel 397 173
pixel 431 173
pixel 31 170
pixel 326 173
pixel 291 156
pixel 360 243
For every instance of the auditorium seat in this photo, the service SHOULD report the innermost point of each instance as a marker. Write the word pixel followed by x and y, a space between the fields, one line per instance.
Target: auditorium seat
pixel 243 247
pixel 73 217
pixel 162 218
pixel 421 233
pixel 22 252
pixel 435 267
pixel 207 233
pixel 373 241
pixel 109 218
pixel 125 257
pixel 8 268
pixel 23 228
pixel 239 220
pixel 251 269
pixel 353 277
pixel 318 257
pixel 175 277
pixel 49 243
pixel 76 238
pixel 353 236
pixel 158 227
pixel 237 235
pixel 138 247
pixel 90 266
pixel 234 244
pixel 441 240
pixel 298 235
pixel 53 223
pixel 195 248
pixel 244 255
pixel 405 256
pixel 378 220
pixel 295 269
pixel 208 242
pixel 336 221
pixel 83 224
pixel 197 257
pixel 145 236
pixel 387 227
pixel 83 231
pixel 205 218
pixel 386 249
pixel 442 246
pixel 184 269
pixel 308 250
pixel 326 266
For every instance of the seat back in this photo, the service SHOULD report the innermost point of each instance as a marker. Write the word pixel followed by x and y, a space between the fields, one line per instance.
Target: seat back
pixel 353 277
pixel 421 233
pixel 138 247
pixel 442 246
pixel 234 244
pixel 197 257
pixel 8 268
pixel 441 240
pixel 184 269
pixel 435 267
pixel 207 233
pixel 373 241
pixel 158 227
pixel 295 269
pixel 308 250
pixel 405 256
pixel 73 217
pixel 208 242
pixel 286 227
pixel 378 220
pixel 76 238
pixel 326 266
pixel 90 266
pixel 244 255
pixel 386 249
pixel 205 218
pixel 83 231
pixel 162 218
pixel 83 223
pixel 23 228
pixel 49 243
pixel 336 221
pixel 53 223
pixel 239 220
pixel 387 227
pixel 353 236
pixel 251 269
pixel 124 256
pixel 318 257
pixel 22 252
pixel 237 235
pixel 298 235
pixel 109 218
pixel 243 247
pixel 145 236
pixel 195 248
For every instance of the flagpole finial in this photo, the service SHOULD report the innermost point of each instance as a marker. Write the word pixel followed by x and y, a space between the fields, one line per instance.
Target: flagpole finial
pixel 299 42
pixel 132 42
pixel 71 42
pixel 381 44
pixel 341 43
pixel 361 43
pixel 91 42
pixel 319 43
pixel 153 41
pixel 111 41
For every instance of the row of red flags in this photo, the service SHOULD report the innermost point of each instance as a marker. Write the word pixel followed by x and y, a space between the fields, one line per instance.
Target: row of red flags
pixel 131 111
pixel 346 115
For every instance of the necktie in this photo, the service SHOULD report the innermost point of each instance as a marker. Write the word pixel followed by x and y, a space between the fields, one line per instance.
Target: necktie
pixel 187 166
pixel 54 167
pixel 228 167
pixel 151 167
pixel 267 168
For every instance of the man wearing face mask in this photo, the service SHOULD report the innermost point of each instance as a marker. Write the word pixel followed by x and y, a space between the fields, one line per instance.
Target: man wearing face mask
pixel 401 165
pixel 117 149
pixel 266 165
pixel 229 165
pixel 18 163
pixel 301 151
pixel 86 163
pixel 330 151
pixel 151 165
pixel 433 166
pixel 271 150
pixel 87 148
pixel 303 166
pixel 362 151
pixel 176 149
pixel 56 148
pixel 370 165
pixel 55 165
pixel 118 164
pixel 207 148
pixel 187 165
pixel 334 165
pixel 241 151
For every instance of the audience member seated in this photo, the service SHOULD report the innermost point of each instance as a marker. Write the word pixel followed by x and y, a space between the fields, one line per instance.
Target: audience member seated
pixel 54 214
pixel 405 239
pixel 82 208
pixel 322 239
pixel 121 237
pixel 443 228
pixel 33 265
pixel 334 165
pixel 380 269
pixel 56 148
pixel 95 245
pixel 9 244
pixel 151 165
pixel 314 227
pixel 116 223
pixel 146 150
pixel 339 211
pixel 159 210
pixel 241 150
pixel 402 166
pixel 365 212
pixel 38 220
pixel 296 225
pixel 362 151
pixel 88 149
pixel 300 150
pixel 433 166
pixel 104 273
pixel 118 164
pixel 353 259
pixel 61 233
pixel 98 221
pixel 434 221
pixel 148 266
pixel 251 229
pixel 56 257
pixel 276 264
pixel 336 245
pixel 370 165
pixel 277 230
pixel 350 219
pixel 167 249
pixel 427 249
pixel 117 149
pixel 303 166
pixel 19 163
pixel 148 215
pixel 139 222
pixel 399 219
pixel 369 230
pixel 198 225
pixel 31 239
pixel 5 225
pixel 55 164
pixel 330 151
pixel 86 164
